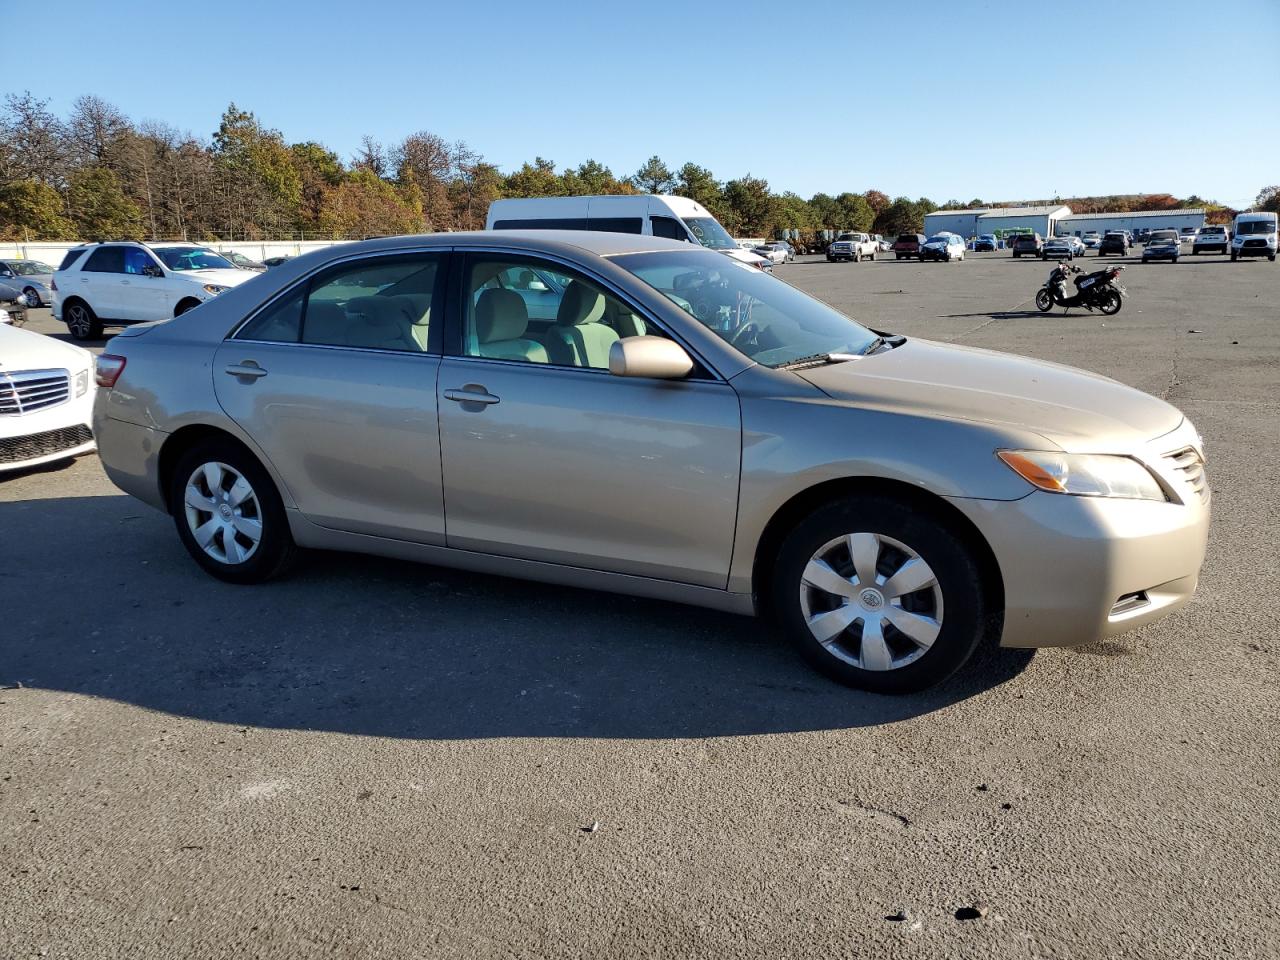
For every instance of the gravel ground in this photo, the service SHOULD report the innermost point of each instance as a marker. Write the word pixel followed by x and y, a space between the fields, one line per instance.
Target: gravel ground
pixel 373 758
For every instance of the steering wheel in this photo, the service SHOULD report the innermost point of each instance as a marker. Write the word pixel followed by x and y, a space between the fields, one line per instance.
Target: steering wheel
pixel 750 326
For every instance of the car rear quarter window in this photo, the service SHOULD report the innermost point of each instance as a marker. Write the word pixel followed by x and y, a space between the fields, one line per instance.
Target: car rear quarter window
pixel 71 257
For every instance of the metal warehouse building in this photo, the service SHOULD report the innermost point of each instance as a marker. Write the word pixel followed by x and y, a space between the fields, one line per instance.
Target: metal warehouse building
pixel 971 223
pixel 1051 221
pixel 1078 223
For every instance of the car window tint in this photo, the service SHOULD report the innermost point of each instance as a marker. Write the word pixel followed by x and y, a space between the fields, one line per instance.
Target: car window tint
pixel 71 257
pixel 669 228
pixel 615 224
pixel 377 304
pixel 533 311
pixel 279 323
pixel 105 260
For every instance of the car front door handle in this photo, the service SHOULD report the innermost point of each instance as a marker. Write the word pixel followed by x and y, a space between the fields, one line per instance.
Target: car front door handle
pixel 471 393
pixel 249 369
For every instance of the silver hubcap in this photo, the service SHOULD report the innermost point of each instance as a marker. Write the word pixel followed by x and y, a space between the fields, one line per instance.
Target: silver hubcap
pixel 223 513
pixel 871 601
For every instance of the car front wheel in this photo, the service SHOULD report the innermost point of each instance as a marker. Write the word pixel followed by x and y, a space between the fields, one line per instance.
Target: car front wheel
pixel 880 595
pixel 228 513
pixel 82 322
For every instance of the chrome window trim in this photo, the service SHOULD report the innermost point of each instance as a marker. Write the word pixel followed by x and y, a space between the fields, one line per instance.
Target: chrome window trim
pixel 610 287
pixel 339 346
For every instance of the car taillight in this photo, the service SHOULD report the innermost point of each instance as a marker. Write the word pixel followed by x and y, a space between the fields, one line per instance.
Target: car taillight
pixel 108 370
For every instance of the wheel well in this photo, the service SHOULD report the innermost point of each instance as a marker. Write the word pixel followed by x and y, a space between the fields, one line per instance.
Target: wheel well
pixel 186 303
pixel 74 299
pixel 183 440
pixel 807 501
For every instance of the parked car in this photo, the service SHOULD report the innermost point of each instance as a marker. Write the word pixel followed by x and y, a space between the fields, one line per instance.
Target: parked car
pixel 1057 248
pixel 32 277
pixel 1211 238
pixel 1114 242
pixel 1141 235
pixel 1091 239
pixel 1255 235
pixel 776 251
pixel 883 243
pixel 889 527
pixel 241 261
pixel 1162 245
pixel 110 284
pixel 986 242
pixel 656 215
pixel 46 399
pixel 1077 246
pixel 1027 245
pixel 852 246
pixel 1187 235
pixel 908 245
pixel 944 246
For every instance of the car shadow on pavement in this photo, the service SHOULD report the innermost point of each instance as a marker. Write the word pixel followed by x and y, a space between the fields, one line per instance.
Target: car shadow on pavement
pixel 106 603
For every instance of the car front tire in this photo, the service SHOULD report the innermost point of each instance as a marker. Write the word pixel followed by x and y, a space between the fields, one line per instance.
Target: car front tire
pixel 82 322
pixel 229 514
pixel 881 595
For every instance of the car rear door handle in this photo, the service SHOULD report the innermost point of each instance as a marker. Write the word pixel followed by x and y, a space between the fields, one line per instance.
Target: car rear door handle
pixel 471 393
pixel 248 369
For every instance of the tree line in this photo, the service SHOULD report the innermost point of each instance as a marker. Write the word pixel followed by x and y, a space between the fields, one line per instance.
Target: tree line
pixel 96 174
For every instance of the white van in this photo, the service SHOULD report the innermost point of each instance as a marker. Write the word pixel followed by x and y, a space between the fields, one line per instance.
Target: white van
pixel 676 218
pixel 1255 236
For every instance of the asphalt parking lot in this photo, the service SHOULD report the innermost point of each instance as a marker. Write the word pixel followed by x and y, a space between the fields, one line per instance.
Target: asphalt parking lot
pixel 373 758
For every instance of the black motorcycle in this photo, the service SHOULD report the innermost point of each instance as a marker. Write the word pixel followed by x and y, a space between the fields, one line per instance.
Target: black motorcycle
pixel 1098 289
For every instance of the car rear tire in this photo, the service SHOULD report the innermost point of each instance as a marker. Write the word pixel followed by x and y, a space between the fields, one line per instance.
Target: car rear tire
pixel 229 514
pixel 881 595
pixel 81 321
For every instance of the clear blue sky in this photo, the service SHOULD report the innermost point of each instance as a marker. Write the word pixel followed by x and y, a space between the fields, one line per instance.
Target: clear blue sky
pixel 993 100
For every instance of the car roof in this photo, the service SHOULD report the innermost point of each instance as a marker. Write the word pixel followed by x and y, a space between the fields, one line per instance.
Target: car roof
pixel 599 243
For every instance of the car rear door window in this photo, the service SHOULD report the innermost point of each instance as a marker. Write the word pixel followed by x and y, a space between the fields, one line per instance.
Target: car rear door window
pixel 105 260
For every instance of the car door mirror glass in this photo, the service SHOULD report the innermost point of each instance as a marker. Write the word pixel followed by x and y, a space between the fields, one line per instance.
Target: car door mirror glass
pixel 654 357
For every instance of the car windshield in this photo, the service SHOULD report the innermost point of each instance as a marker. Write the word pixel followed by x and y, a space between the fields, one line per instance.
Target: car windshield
pixel 709 233
pixel 29 268
pixel 940 238
pixel 1215 230
pixel 192 258
pixel 764 318
pixel 907 238
pixel 1256 226
pixel 1164 235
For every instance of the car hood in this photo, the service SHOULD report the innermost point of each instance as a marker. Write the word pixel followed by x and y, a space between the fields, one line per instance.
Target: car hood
pixel 226 278
pixel 27 350
pixel 1074 409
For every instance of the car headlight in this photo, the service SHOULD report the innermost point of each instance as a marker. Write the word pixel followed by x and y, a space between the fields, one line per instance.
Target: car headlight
pixel 1084 474
pixel 214 288
pixel 82 382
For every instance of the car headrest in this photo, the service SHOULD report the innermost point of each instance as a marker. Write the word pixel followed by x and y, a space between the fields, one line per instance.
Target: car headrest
pixel 500 315
pixel 581 304
pixel 418 306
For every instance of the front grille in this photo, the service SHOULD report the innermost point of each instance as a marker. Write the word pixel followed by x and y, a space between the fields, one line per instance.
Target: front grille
pixel 25 391
pixel 18 449
pixel 1254 243
pixel 1188 464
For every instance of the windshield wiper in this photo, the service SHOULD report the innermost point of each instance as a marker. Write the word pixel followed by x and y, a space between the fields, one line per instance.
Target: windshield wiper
pixel 817 358
pixel 874 345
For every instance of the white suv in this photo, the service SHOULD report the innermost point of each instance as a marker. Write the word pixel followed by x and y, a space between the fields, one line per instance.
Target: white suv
pixel 120 283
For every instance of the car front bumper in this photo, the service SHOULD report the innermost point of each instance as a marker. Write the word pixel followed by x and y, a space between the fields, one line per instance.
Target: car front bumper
pixel 55 433
pixel 1243 251
pixel 1076 569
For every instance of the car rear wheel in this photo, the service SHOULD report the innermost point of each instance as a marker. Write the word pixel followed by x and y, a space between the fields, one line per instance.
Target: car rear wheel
pixel 82 322
pixel 228 513
pixel 880 595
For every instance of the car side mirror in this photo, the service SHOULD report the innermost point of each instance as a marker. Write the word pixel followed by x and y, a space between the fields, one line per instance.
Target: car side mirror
pixel 655 357
pixel 151 270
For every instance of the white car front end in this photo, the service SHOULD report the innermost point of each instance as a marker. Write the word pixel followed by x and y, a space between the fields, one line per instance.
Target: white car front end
pixel 749 258
pixel 46 399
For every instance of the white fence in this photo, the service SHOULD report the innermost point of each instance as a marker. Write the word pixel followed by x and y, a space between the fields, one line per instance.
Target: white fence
pixel 253 249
